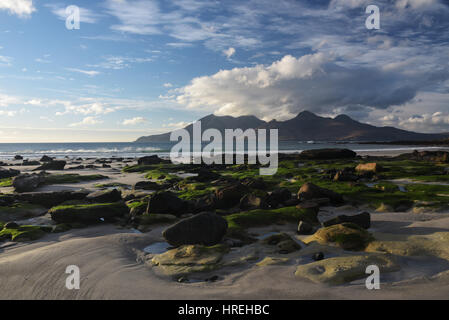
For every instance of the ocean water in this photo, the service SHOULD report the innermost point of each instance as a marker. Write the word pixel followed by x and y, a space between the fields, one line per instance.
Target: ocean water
pixel 130 150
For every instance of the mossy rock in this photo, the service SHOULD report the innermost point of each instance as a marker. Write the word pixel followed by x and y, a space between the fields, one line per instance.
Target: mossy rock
pixel 340 270
pixel 436 245
pixel 348 236
pixel 21 211
pixel 24 233
pixel 190 259
pixel 62 227
pixel 88 213
pixel 284 243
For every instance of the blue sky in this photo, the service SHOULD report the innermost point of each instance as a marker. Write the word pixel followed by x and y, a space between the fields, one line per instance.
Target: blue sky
pixel 138 67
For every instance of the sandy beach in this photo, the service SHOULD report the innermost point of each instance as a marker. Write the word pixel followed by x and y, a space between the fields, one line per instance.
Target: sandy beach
pixel 114 264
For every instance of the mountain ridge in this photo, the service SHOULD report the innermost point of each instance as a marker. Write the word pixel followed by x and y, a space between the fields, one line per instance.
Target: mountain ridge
pixel 307 126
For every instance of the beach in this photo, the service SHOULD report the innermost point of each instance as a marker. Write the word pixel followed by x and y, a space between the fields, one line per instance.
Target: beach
pixel 113 262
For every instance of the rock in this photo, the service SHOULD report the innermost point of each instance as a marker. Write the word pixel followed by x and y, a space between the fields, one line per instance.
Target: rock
pixel 205 175
pixel 345 175
pixel 205 203
pixel 148 185
pixel 88 213
pixel 362 219
pixel 340 270
pixel 8 173
pixel 27 182
pixel 269 261
pixel 347 235
pixel 18 157
pixel 104 196
pixel 166 202
pixel 204 228
pixel 305 228
pixel 433 156
pixel 285 244
pixel 46 159
pixel 149 160
pixel 11 225
pixel 190 259
pixel 155 218
pixel 230 196
pixel 51 199
pixel 369 167
pixel 254 201
pixel 258 183
pixel 327 154
pixel 310 204
pixel 52 165
pixel 279 196
pixel 309 191
pixel 317 256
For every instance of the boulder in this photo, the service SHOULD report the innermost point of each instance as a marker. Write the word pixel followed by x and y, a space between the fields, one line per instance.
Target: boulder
pixel 27 182
pixel 18 157
pixel 148 185
pixel 52 165
pixel 30 163
pixel 205 203
pixel 46 159
pixel 204 228
pixel 254 201
pixel 166 202
pixel 88 213
pixel 252 183
pixel 434 156
pixel 51 199
pixel 327 154
pixel 362 219
pixel 345 175
pixel 369 167
pixel 348 236
pixel 205 175
pixel 279 196
pixel 305 228
pixel 284 243
pixel 11 225
pixel 148 160
pixel 230 196
pixel 8 173
pixel 104 196
pixel 309 191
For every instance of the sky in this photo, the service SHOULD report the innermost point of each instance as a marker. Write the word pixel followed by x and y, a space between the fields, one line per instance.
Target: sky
pixel 141 67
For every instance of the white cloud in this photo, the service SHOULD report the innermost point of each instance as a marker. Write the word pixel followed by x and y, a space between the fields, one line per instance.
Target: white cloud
pixel 85 109
pixel 7 113
pixel 87 72
pixel 118 62
pixel 176 125
pixel 88 121
pixel 5 61
pixel 168 85
pixel 21 8
pixel 134 121
pixel 7 100
pixel 229 52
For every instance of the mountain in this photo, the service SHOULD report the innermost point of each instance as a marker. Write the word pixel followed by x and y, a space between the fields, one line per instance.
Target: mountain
pixel 308 126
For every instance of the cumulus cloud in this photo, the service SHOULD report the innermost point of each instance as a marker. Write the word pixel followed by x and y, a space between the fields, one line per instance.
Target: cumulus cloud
pixel 134 121
pixel 314 82
pixel 21 8
pixel 229 52
pixel 88 121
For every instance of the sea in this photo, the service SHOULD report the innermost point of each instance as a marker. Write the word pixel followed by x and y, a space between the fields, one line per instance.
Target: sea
pixel 34 151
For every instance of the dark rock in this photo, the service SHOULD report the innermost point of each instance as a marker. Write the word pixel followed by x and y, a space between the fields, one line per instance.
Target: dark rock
pixel 363 220
pixel 433 156
pixel 27 182
pixel 254 201
pixel 51 199
pixel 310 191
pixel 104 196
pixel 346 174
pixel 30 163
pixel 52 165
pixel 11 225
pixel 18 157
pixel 204 228
pixel 8 173
pixel 318 256
pixel 305 228
pixel 205 175
pixel 205 203
pixel 80 167
pixel 279 196
pixel 284 243
pixel 327 154
pixel 148 160
pixel 104 165
pixel 46 159
pixel 230 196
pixel 88 214
pixel 148 185
pixel 166 202
pixel 258 183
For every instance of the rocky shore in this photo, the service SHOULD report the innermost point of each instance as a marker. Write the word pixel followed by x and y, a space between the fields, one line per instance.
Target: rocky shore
pixel 149 229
